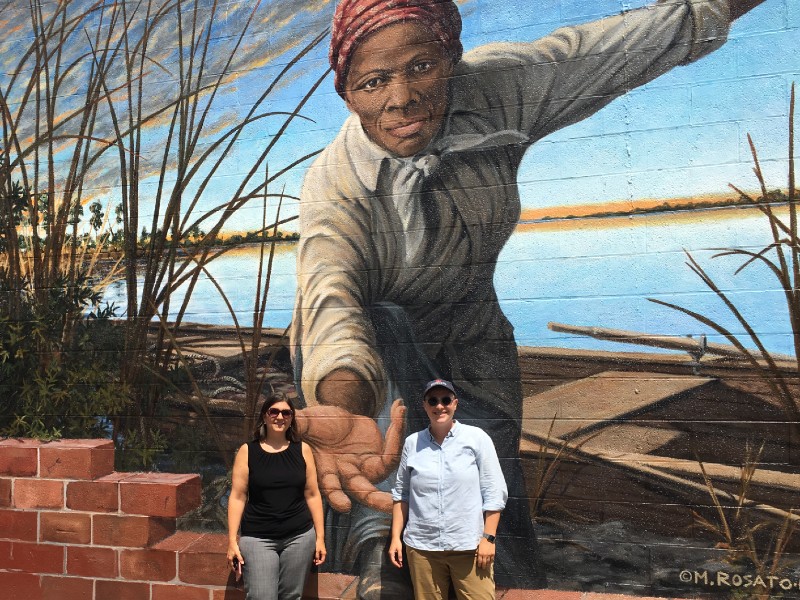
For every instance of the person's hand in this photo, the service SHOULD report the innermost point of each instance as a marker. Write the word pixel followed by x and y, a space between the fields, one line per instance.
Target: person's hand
pixel 351 454
pixel 320 552
pixel 484 555
pixel 396 553
pixel 234 553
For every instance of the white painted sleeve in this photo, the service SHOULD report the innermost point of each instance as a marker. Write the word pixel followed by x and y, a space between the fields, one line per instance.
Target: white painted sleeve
pixel 335 264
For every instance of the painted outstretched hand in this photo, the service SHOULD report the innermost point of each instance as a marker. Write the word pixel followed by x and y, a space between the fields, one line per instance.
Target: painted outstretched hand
pixel 351 454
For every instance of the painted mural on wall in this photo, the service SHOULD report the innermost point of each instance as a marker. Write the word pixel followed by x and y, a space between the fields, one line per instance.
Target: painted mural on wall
pixel 532 202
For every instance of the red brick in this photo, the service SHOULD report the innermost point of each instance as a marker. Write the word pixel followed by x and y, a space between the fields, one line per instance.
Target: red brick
pixel 18 525
pixel 147 565
pixel 129 531
pixel 20 585
pixel 100 495
pixel 228 594
pixel 179 541
pixel 66 528
pixel 204 561
pixel 76 459
pixel 19 457
pixel 326 586
pixel 32 558
pixel 5 492
pixel 92 562
pixel 38 493
pixel 179 592
pixel 67 588
pixel 160 494
pixel 122 590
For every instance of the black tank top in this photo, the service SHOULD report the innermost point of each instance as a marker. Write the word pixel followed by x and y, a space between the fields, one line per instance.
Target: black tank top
pixel 276 505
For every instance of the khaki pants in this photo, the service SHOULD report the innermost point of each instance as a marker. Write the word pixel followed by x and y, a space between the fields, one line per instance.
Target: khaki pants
pixel 432 572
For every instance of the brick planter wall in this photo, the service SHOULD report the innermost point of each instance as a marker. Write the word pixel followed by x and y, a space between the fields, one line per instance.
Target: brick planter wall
pixel 71 528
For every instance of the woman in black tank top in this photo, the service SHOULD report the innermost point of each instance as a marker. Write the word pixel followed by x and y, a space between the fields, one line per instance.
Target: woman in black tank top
pixel 275 501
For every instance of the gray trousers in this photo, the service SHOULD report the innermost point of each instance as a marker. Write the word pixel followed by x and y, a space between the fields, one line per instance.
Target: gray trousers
pixel 277 569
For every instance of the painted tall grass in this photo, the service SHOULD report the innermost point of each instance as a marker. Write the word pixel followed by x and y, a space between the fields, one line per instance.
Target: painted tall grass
pixel 131 104
pixel 57 353
pixel 192 150
pixel 757 544
pixel 782 257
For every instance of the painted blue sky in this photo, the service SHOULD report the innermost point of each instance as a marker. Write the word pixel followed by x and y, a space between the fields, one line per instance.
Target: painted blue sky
pixel 683 134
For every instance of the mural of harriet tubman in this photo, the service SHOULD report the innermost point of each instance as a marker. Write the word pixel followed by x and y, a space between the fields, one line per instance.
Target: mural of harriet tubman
pixel 403 217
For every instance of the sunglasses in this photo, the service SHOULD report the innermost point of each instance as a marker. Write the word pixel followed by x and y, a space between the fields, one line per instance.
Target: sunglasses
pixel 444 400
pixel 274 412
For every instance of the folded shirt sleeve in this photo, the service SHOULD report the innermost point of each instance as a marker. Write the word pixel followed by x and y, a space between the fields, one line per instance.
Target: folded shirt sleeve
pixel 494 491
pixel 401 487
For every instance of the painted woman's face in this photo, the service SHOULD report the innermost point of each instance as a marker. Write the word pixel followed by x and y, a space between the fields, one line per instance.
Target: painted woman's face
pixel 397 84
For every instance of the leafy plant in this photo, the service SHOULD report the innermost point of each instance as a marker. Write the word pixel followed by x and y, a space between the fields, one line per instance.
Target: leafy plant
pixel 140 449
pixel 54 385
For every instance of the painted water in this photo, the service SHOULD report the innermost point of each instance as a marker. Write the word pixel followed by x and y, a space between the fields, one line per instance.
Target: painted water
pixel 591 272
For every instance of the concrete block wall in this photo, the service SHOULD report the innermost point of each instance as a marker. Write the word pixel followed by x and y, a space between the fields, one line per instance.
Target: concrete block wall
pixel 71 528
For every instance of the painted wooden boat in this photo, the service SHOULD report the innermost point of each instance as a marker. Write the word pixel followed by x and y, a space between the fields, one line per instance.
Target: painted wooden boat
pixel 655 439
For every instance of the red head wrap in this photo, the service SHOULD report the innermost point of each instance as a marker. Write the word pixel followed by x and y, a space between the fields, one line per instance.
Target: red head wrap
pixel 354 20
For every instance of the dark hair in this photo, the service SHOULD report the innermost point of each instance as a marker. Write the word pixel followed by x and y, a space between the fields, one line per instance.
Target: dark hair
pixel 292 433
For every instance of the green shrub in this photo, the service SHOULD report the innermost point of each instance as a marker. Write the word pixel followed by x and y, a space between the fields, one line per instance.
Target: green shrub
pixel 59 362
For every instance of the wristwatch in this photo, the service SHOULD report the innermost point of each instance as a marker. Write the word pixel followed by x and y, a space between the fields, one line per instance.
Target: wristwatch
pixel 488 537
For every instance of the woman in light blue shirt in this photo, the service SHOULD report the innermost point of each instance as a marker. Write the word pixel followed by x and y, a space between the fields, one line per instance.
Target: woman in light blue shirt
pixel 448 495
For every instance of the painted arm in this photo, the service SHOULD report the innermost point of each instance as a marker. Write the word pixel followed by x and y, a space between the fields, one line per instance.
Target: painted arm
pixel 314 502
pixel 345 388
pixel 542 86
pixel 236 502
pixel 342 375
pixel 336 267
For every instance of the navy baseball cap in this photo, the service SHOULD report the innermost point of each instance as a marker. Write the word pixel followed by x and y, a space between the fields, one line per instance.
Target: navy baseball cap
pixel 438 383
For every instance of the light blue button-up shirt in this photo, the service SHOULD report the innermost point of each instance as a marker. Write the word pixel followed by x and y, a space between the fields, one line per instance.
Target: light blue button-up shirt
pixel 449 487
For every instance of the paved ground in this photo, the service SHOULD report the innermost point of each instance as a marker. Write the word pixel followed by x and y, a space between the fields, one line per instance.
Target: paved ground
pixel 343 587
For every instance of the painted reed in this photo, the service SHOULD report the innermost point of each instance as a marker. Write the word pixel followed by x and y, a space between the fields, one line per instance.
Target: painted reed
pixel 118 102
pixel 782 258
